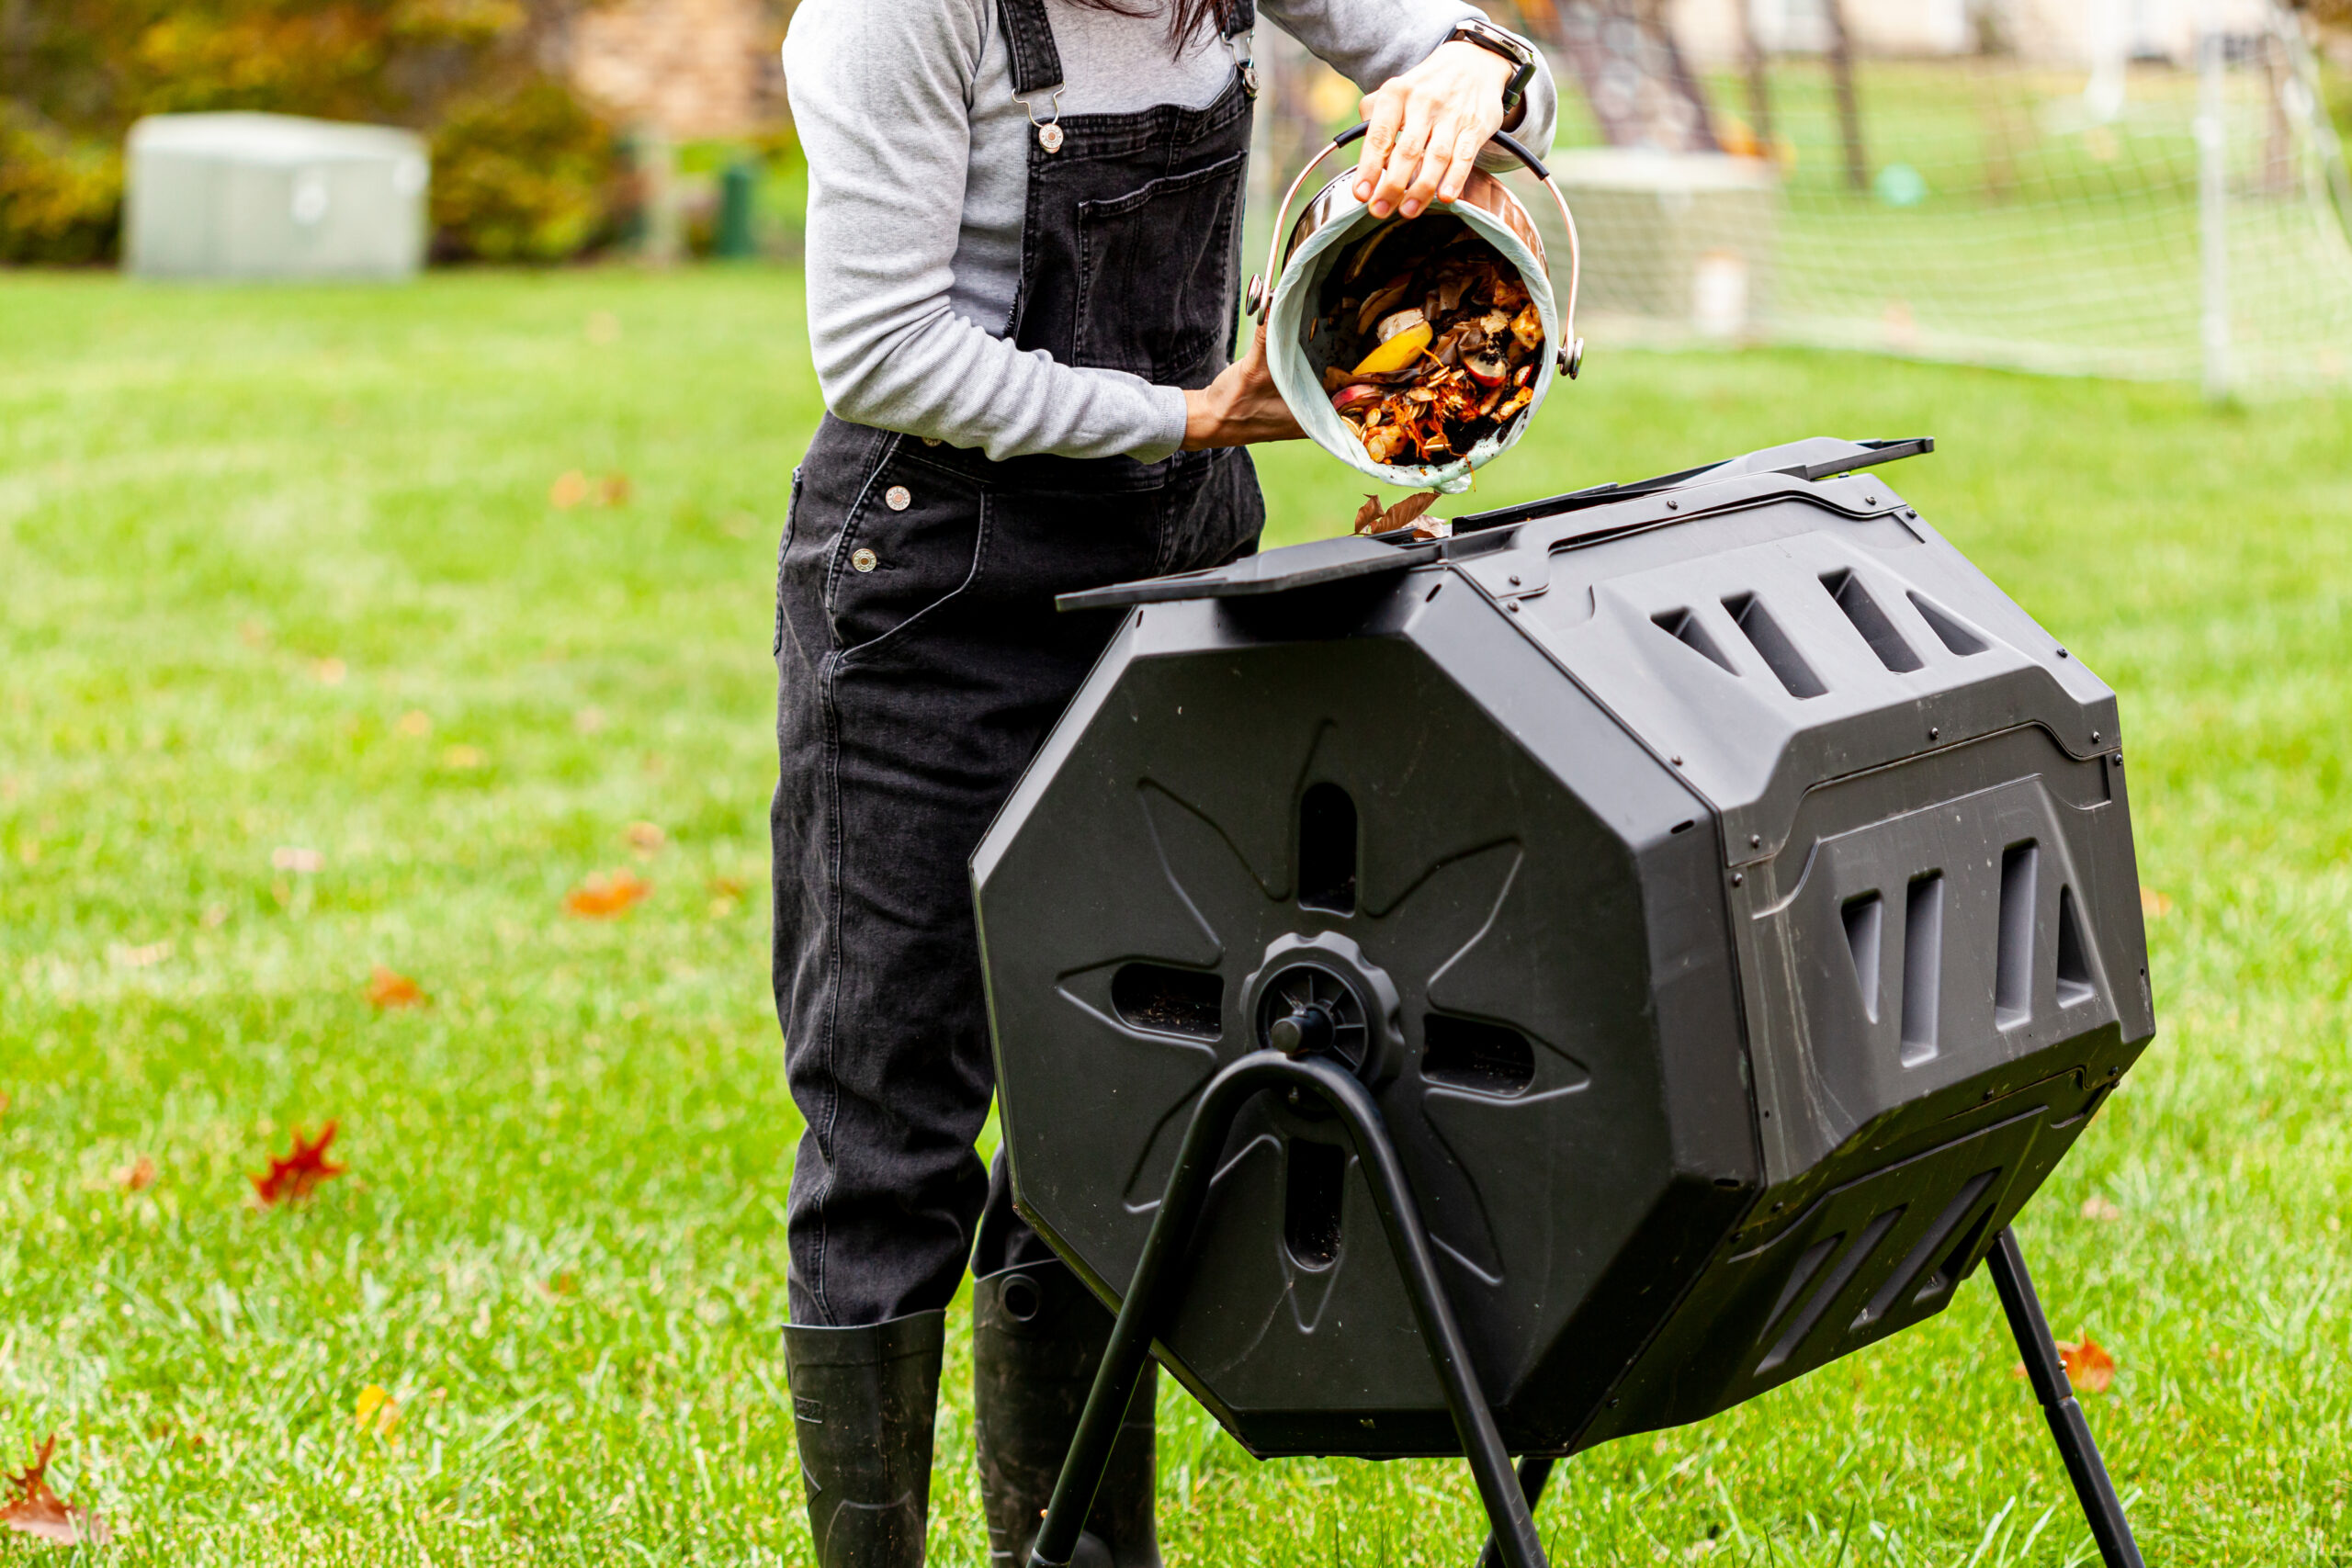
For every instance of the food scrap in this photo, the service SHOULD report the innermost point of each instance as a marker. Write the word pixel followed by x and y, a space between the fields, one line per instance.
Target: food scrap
pixel 1428 338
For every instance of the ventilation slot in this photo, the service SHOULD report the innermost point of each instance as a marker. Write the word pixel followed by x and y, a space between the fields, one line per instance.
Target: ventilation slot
pixel 1848 1267
pixel 2073 955
pixel 1863 917
pixel 2013 964
pixel 1311 1192
pixel 1956 1261
pixel 1923 1252
pixel 1953 632
pixel 1870 621
pixel 1684 627
pixel 1923 963
pixel 1799 1277
pixel 1772 644
pixel 1326 850
pixel 1169 1002
pixel 1463 1053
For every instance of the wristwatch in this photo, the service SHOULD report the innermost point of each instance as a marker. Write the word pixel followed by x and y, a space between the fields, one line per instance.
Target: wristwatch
pixel 1487 36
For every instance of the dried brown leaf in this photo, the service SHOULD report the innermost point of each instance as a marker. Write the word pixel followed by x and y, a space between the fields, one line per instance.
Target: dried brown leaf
pixel 136 1177
pixel 2155 904
pixel 645 838
pixel 1368 514
pixel 38 1511
pixel 1404 511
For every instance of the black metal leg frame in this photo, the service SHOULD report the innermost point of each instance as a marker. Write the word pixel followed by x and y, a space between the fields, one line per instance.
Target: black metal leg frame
pixel 1510 1497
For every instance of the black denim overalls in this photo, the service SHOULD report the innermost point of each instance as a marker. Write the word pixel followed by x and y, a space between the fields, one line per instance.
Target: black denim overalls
pixel 920 661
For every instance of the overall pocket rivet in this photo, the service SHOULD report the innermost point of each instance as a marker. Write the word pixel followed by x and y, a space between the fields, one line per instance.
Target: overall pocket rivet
pixel 863 558
pixel 897 499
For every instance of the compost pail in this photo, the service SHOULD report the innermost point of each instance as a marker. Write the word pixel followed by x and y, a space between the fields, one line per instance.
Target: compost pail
pixel 1327 233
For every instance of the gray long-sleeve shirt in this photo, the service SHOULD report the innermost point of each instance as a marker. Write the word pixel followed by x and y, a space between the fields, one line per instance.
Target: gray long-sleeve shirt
pixel 918 178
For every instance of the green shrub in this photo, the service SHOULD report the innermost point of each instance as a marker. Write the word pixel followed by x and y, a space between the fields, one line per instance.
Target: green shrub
pixel 522 176
pixel 522 170
pixel 61 199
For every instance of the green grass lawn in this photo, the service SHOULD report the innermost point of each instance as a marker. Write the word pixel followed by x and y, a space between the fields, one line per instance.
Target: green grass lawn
pixel 282 574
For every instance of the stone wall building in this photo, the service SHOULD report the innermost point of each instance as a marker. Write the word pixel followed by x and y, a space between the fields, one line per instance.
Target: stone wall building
pixel 690 69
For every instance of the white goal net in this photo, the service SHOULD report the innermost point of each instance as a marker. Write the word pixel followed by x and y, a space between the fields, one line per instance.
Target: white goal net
pixel 2138 188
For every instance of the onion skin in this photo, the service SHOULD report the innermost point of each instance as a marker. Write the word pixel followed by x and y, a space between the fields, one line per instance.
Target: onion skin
pixel 1355 394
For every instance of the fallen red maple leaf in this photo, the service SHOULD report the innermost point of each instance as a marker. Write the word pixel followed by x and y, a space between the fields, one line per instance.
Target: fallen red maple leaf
pixel 390 989
pixel 300 1173
pixel 605 895
pixel 2088 1366
pixel 38 1511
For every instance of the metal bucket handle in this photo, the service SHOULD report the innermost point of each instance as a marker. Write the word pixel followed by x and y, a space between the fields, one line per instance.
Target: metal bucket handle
pixel 1261 294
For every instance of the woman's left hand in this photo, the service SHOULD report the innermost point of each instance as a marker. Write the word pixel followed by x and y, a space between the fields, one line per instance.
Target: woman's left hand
pixel 1427 128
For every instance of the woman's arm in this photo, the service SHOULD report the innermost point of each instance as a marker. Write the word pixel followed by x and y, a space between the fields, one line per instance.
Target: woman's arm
pixel 880 97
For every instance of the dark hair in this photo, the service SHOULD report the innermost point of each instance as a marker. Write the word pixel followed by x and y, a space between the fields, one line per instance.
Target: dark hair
pixel 1186 18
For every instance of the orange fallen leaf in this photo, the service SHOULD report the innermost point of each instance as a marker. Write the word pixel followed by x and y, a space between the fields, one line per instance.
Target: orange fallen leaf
pixel 136 1177
pixel 564 1284
pixel 299 1174
pixel 390 989
pixel 613 489
pixel 37 1511
pixel 377 1411
pixel 2155 904
pixel 606 894
pixel 571 488
pixel 645 838
pixel 2097 1208
pixel 2088 1366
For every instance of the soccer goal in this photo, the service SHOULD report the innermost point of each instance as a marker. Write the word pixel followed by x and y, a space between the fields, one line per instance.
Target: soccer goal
pixel 2138 188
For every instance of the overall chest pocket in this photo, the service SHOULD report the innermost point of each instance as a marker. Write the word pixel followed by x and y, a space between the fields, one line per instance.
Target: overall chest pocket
pixel 1154 275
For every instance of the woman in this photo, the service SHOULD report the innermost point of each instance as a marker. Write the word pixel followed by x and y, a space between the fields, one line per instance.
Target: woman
pixel 1024 229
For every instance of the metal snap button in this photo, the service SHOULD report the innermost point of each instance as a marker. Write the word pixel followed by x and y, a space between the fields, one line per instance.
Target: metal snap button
pixel 863 558
pixel 897 499
pixel 1049 136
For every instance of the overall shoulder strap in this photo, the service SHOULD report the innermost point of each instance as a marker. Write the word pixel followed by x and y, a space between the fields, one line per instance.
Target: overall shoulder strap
pixel 1240 19
pixel 1036 63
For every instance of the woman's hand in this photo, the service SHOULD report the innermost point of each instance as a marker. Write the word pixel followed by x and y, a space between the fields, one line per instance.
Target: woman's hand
pixel 1240 407
pixel 1428 126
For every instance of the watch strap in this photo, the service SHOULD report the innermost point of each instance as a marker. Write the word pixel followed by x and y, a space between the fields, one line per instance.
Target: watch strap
pixel 1521 58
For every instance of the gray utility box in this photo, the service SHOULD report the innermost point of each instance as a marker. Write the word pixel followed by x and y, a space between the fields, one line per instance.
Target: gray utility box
pixel 262 196
pixel 1726 893
pixel 1679 240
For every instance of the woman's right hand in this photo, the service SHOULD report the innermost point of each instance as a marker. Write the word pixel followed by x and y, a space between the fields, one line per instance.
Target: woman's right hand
pixel 1241 407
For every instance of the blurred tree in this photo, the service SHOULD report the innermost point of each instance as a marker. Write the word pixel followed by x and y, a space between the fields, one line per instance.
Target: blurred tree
pixel 522 169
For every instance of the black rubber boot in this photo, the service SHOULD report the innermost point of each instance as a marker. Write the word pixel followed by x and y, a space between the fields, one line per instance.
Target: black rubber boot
pixel 863 1401
pixel 1037 1337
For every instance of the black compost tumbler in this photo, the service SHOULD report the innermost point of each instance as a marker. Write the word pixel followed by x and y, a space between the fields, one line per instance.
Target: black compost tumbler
pixel 1493 994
